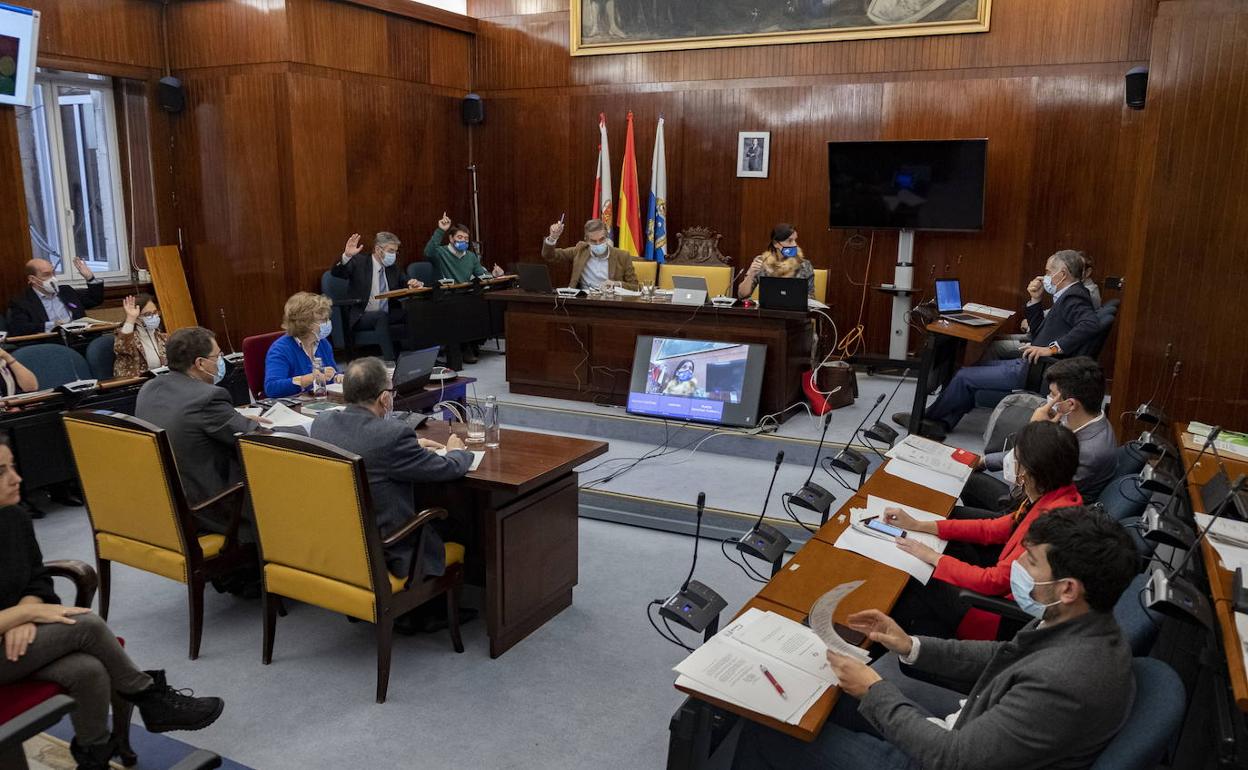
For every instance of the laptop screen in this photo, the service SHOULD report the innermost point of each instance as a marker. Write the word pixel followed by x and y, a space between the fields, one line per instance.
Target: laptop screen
pixel 948 296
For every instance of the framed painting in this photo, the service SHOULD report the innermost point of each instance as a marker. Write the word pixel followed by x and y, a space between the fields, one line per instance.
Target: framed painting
pixel 632 26
pixel 753 153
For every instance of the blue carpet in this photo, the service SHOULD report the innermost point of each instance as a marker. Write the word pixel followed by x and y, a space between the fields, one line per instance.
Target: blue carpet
pixel 156 751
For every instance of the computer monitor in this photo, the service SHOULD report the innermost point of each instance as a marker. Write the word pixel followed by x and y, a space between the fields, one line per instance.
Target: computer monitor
pixel 697 380
pixel 948 296
pixel 19 50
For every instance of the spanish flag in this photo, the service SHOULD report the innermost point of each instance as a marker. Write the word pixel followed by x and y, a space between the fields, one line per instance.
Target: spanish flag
pixel 629 207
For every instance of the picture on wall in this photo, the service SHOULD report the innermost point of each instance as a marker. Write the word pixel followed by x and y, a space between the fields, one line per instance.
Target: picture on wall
pixel 629 26
pixel 753 153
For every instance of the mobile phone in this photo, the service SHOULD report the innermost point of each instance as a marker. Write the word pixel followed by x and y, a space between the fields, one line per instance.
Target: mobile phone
pixel 879 526
pixel 855 638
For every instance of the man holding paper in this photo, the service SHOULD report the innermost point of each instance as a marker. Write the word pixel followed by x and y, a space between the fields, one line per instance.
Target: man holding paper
pixel 1054 696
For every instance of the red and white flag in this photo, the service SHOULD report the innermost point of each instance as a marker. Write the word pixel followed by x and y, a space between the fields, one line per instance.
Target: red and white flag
pixel 604 208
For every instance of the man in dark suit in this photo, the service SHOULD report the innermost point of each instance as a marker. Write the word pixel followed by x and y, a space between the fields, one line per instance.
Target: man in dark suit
pixel 200 420
pixel 369 275
pixel 44 304
pixel 394 459
pixel 1069 325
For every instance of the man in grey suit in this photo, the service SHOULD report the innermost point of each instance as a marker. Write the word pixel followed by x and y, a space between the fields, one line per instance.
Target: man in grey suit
pixel 394 459
pixel 199 419
pixel 1053 696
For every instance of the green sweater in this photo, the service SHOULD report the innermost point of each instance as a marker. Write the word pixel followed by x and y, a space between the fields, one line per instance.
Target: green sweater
pixel 459 267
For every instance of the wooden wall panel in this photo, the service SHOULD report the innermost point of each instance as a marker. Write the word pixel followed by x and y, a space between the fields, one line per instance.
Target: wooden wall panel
pixel 1187 287
pixel 116 31
pixel 348 37
pixel 450 59
pixel 14 232
pixel 214 33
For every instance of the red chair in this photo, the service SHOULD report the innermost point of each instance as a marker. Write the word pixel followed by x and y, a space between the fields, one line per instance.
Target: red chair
pixel 19 697
pixel 254 351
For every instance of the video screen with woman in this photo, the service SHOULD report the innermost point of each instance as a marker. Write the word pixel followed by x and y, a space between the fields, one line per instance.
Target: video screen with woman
pixel 697 380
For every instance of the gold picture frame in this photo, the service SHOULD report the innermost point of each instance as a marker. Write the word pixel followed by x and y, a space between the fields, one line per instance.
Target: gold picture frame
pixel 865 19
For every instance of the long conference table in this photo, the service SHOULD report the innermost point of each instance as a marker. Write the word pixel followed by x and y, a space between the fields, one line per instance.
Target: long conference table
pixel 697 730
pixel 582 348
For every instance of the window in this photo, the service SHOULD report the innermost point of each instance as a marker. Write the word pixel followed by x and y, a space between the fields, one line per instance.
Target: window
pixel 72 170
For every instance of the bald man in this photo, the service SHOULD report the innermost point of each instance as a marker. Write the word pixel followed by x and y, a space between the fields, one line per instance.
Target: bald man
pixel 45 304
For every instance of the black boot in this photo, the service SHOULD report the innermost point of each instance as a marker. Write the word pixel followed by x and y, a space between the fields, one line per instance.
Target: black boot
pixel 164 708
pixel 93 757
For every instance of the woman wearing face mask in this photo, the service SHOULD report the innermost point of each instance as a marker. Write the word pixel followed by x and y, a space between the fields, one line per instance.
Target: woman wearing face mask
pixel 15 378
pixel 783 258
pixel 981 552
pixel 288 368
pixel 682 383
pixel 139 344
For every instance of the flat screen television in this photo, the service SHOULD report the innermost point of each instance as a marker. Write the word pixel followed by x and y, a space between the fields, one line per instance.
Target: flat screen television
pixel 19 42
pixel 917 185
pixel 697 380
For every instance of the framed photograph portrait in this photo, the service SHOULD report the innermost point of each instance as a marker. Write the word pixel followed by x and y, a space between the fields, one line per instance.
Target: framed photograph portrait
pixel 632 26
pixel 753 153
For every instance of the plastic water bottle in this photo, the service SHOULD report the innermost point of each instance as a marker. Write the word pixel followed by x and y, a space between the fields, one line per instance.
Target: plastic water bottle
pixel 318 378
pixel 492 430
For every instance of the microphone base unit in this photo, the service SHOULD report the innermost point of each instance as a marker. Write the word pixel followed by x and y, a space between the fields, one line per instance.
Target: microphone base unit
pixel 764 542
pixel 813 497
pixel 1157 481
pixel 1153 443
pixel 1149 413
pixel 696 606
pixel 881 433
pixel 1167 530
pixel 1174 597
pixel 851 460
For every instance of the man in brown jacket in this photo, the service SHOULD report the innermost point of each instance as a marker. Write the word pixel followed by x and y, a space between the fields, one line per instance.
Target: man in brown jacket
pixel 596 264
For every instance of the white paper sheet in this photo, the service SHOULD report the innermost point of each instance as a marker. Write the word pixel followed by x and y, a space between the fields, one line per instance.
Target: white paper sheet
pixel 1241 626
pixel 995 312
pixel 731 671
pixel 939 482
pixel 784 639
pixel 476 458
pixel 886 551
pixel 929 454
pixel 282 416
pixel 1229 539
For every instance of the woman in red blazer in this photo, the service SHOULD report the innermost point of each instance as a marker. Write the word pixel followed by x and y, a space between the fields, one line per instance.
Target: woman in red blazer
pixel 1043 465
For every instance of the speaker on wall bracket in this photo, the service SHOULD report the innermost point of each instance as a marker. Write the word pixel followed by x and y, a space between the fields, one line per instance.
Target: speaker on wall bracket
pixel 171 95
pixel 472 110
pixel 1136 87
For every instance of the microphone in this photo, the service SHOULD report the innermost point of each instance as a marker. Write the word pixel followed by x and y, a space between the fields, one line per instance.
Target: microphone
pixel 1159 525
pixel 695 606
pixel 1146 412
pixel 811 496
pixel 881 431
pixel 225 323
pixel 765 541
pixel 850 459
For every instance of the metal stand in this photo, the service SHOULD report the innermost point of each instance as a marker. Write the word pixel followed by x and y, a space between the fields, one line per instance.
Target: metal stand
pixel 903 286
pixel 476 210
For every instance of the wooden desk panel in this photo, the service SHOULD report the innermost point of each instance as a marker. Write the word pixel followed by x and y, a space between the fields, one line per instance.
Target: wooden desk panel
pixel 972 334
pixel 523 461
pixel 818 568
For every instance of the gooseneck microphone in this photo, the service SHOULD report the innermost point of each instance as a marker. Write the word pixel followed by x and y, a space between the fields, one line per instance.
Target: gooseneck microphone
pixel 850 459
pixel 765 541
pixel 697 536
pixel 811 496
pixel 1159 525
pixel 695 606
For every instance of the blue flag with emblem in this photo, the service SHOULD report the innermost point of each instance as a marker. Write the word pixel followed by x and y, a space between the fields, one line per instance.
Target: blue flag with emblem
pixel 656 218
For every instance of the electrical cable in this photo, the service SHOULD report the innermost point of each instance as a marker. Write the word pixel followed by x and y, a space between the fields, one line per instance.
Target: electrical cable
pixel 742 565
pixel 673 638
pixel 784 501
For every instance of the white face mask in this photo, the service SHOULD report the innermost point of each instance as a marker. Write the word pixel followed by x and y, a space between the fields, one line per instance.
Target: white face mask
pixel 49 287
pixel 152 322
pixel 1009 468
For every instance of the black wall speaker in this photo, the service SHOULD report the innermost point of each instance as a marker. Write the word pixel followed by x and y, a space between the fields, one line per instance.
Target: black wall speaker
pixel 1137 87
pixel 473 110
pixel 170 95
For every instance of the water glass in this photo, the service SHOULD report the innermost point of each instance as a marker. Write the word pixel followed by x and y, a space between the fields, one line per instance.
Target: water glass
pixel 476 429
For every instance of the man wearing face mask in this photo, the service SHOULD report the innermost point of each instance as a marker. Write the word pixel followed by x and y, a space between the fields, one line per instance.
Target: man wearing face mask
pixel 47 304
pixel 394 459
pixel 1053 696
pixel 457 263
pixel 199 419
pixel 369 275
pixel 596 264
pixel 1067 327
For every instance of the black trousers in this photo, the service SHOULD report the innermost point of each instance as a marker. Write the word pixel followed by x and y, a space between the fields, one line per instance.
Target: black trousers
pixel 935 609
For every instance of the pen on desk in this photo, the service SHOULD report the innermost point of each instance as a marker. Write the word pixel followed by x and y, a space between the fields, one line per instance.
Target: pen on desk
pixel 773 681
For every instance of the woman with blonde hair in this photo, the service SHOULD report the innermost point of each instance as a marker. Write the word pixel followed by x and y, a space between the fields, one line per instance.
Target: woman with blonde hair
pixel 783 258
pixel 288 368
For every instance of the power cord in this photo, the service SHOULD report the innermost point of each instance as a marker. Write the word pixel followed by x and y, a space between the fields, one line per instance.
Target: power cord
pixel 672 638
pixel 742 565
pixel 784 501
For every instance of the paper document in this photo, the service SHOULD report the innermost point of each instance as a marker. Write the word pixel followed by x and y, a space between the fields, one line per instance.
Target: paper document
pixel 1241 626
pixel 282 416
pixel 924 477
pixel 822 624
pixel 732 671
pixel 784 639
pixel 995 312
pixel 476 458
pixel 82 323
pixel 885 551
pixel 620 291
pixel 814 304
pixel 935 456
pixel 1229 539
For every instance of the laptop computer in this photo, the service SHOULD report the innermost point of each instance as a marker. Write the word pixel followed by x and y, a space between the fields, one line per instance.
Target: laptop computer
pixel 413 369
pixel 782 293
pixel 534 277
pixel 949 303
pixel 693 282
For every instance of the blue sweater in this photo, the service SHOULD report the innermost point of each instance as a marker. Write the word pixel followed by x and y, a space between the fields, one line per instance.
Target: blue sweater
pixel 286 360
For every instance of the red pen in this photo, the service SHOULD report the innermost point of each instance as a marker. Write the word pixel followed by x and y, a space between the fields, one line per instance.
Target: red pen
pixel 773 681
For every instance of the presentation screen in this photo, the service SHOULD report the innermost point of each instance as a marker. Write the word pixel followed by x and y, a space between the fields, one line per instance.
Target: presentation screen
pixel 917 185
pixel 19 41
pixel 697 380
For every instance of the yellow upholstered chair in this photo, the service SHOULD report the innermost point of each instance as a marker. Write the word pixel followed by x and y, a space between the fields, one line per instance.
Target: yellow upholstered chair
pixel 139 513
pixel 717 276
pixel 821 286
pixel 319 542
pixel 646 270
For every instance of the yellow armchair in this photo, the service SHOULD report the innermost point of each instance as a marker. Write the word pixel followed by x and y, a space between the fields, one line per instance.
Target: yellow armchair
pixel 139 513
pixel 717 276
pixel 647 271
pixel 319 542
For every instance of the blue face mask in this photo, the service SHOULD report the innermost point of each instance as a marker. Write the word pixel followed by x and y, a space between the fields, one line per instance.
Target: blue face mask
pixel 788 252
pixel 326 329
pixel 1049 286
pixel 388 258
pixel 220 373
pixel 598 249
pixel 461 246
pixel 684 375
pixel 1021 585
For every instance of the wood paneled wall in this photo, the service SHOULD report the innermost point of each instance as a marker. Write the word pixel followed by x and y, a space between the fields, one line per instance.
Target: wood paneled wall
pixel 1045 86
pixel 1187 287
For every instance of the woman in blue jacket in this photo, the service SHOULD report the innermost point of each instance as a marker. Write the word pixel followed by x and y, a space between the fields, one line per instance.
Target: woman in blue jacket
pixel 288 367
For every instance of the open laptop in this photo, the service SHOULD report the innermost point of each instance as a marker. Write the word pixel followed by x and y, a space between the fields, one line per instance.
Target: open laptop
pixel 782 293
pixel 413 369
pixel 692 282
pixel 534 277
pixel 949 303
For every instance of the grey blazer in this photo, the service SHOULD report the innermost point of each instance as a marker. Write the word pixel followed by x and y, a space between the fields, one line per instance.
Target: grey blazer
pixel 202 425
pixel 1098 460
pixel 395 462
pixel 1051 697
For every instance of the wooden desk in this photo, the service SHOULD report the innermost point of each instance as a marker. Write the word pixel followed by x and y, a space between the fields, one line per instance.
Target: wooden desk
pixel 1220 579
pixel 525 501
pixel 451 316
pixel 582 348
pixel 951 330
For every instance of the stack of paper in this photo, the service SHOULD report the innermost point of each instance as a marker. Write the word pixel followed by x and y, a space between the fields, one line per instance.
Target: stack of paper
pixel 1228 441
pixel 931 464
pixel 1229 539
pixel 995 312
pixel 730 666
pixel 282 416
pixel 885 551
pixel 476 458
